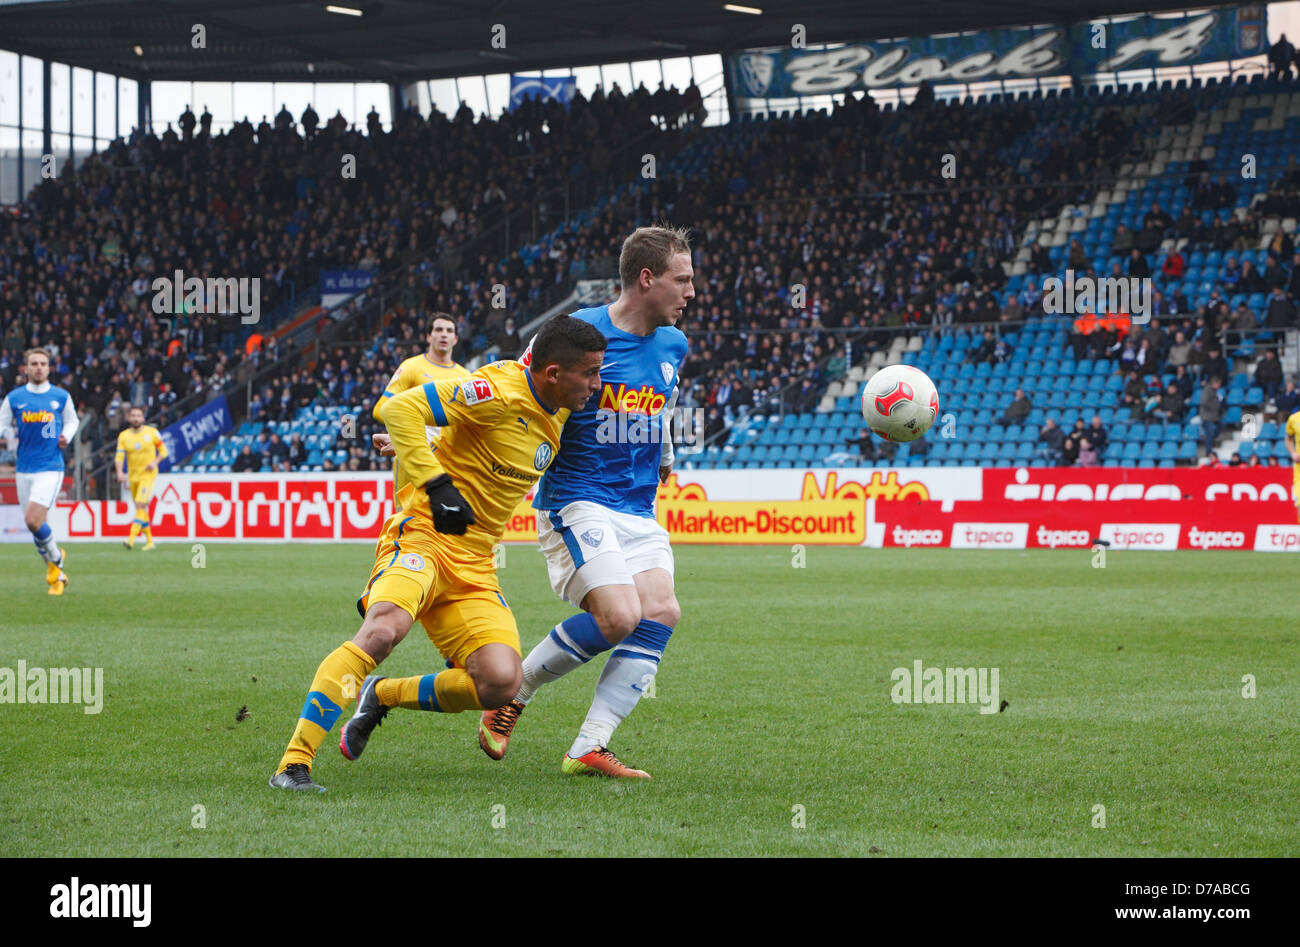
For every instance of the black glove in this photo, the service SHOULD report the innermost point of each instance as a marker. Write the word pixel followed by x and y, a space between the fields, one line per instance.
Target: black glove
pixel 451 514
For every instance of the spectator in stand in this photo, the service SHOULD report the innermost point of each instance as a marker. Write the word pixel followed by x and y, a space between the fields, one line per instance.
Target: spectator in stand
pixel 1174 267
pixel 1052 438
pixel 247 461
pixel 297 456
pixel 1069 452
pixel 866 446
pixel 1281 311
pixel 1138 267
pixel 1185 382
pixel 277 450
pixel 806 398
pixel 1123 242
pixel 1097 435
pixel 1288 401
pixel 1249 281
pixel 1078 258
pixel 1087 456
pixel 1128 356
pixel 1241 327
pixel 1216 366
pixel 1135 396
pixel 1212 413
pixel 1279 58
pixel 1018 410
pixel 1268 374
pixel 1171 406
pixel 1273 274
pixel 1145 361
pixel 715 426
pixel 984 351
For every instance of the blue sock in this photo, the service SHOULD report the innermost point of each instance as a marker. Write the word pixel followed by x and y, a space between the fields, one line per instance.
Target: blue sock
pixel 45 544
pixel 571 643
pixel 629 673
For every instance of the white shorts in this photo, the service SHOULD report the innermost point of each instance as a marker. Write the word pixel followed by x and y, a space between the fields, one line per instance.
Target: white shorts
pixel 588 546
pixel 40 488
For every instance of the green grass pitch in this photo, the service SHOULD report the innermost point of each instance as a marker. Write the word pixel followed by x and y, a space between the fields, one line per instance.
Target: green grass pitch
pixel 1124 687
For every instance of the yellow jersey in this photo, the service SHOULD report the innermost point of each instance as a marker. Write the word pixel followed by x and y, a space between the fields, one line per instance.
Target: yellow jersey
pixel 1293 432
pixel 496 442
pixel 413 372
pixel 139 449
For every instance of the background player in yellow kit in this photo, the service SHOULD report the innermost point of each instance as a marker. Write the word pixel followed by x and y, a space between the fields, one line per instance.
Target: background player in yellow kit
pixel 434 365
pixel 139 449
pixel 433 562
pixel 1293 448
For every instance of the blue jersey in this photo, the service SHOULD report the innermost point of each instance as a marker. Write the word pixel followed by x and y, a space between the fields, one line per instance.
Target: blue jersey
pixel 610 450
pixel 39 419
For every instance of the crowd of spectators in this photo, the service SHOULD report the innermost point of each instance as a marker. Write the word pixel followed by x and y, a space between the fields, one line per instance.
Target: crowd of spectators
pixel 78 258
pixel 795 247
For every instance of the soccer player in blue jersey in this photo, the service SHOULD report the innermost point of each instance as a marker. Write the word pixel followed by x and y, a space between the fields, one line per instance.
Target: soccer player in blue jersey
pixel 42 417
pixel 605 551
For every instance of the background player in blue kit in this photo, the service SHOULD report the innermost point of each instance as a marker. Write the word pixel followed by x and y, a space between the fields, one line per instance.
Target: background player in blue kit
pixel 605 552
pixel 44 420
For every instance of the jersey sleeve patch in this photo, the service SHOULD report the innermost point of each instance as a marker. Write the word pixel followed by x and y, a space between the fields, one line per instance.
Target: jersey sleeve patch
pixel 476 390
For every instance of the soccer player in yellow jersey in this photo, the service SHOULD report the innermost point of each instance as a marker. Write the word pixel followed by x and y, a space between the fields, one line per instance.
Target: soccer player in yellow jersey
pixel 433 562
pixel 434 365
pixel 1293 448
pixel 139 449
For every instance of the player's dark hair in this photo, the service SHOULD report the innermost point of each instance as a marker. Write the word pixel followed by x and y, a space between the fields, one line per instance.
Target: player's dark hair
pixel 563 340
pixel 651 248
pixel 444 315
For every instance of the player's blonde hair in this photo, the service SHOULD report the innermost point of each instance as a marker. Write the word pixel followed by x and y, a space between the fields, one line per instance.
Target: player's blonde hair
pixel 651 248
pixel 37 351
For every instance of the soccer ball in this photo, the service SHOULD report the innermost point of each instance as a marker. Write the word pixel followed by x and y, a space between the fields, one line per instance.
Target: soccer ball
pixel 900 403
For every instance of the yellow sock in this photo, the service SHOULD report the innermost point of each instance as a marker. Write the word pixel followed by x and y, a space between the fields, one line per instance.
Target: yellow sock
pixel 148 533
pixel 449 691
pixel 135 530
pixel 336 684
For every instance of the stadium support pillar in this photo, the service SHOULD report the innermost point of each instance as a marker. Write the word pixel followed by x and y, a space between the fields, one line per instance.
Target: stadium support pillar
pixel 396 105
pixel 731 92
pixel 144 106
pixel 47 147
pixel 1075 63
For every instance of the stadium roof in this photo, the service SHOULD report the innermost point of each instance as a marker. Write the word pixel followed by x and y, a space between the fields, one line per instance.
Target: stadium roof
pixel 404 40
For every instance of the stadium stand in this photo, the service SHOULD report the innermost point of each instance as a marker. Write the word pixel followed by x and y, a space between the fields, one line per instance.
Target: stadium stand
pixel 1197 138
pixel 886 266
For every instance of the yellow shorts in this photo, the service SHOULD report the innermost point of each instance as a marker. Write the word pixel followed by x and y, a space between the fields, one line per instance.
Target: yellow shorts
pixel 459 603
pixel 141 488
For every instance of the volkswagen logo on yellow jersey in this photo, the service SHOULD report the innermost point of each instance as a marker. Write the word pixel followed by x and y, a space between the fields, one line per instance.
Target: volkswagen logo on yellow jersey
pixel 542 457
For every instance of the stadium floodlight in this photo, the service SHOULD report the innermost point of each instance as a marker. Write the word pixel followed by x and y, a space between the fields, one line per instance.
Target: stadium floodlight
pixel 737 8
pixel 346 11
